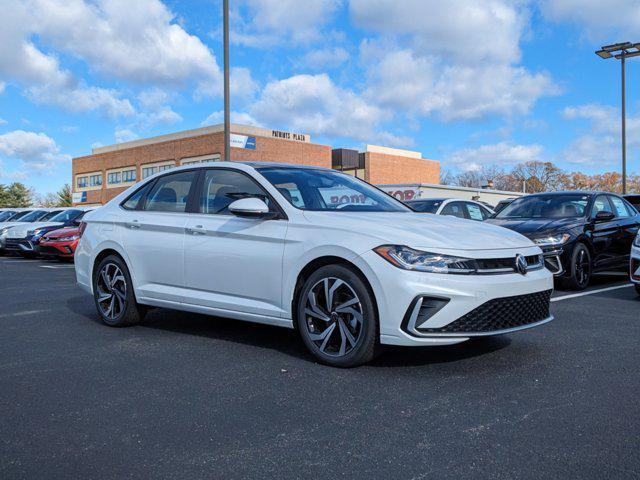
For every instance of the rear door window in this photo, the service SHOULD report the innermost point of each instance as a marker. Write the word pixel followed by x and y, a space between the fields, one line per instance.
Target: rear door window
pixel 620 209
pixel 475 212
pixel 170 193
pixel 454 209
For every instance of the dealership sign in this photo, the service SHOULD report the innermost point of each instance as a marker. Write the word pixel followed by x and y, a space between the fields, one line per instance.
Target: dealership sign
pixel 79 197
pixel 243 141
pixel 288 135
pixel 404 194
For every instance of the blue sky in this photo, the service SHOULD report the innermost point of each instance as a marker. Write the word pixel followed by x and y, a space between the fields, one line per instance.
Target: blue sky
pixel 466 82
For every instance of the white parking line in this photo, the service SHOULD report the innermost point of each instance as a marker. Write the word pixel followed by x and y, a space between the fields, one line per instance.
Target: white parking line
pixel 590 292
pixel 23 313
pixel 57 266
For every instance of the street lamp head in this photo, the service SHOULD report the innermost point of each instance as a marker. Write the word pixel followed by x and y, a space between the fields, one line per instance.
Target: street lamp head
pixel 617 46
pixel 603 54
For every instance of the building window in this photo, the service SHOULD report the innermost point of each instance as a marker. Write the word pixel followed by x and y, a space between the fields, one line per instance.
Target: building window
pixel 148 171
pixel 114 177
pixel 95 180
pixel 81 182
pixel 162 168
pixel 128 176
pixel 201 159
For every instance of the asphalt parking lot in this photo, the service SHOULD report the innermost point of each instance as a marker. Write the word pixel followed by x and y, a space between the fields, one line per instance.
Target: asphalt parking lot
pixel 188 396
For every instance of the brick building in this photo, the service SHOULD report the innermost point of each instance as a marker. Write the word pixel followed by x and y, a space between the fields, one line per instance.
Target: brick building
pixel 99 177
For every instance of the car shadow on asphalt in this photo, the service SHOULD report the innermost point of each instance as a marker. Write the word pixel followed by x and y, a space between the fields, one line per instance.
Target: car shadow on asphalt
pixel 286 341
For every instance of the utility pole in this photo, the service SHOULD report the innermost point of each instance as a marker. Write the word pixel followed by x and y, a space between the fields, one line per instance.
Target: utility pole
pixel 622 51
pixel 227 120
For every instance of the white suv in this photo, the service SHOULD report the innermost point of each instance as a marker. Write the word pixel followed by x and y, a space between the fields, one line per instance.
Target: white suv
pixel 309 248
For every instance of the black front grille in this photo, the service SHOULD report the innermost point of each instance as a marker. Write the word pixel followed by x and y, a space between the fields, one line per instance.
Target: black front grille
pixel 11 244
pixel 500 314
pixel 506 263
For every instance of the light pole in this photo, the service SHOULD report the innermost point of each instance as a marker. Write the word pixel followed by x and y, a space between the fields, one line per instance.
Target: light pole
pixel 227 121
pixel 621 51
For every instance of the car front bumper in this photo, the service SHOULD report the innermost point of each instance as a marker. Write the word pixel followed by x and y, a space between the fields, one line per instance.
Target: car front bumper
pixel 58 249
pixel 635 265
pixel 475 305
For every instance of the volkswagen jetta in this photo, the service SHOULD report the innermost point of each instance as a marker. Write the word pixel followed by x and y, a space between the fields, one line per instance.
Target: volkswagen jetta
pixel 266 243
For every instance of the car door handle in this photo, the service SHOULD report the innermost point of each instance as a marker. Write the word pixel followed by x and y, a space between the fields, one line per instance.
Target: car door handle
pixel 197 230
pixel 134 225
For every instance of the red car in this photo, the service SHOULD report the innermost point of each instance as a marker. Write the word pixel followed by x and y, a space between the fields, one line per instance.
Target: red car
pixel 60 243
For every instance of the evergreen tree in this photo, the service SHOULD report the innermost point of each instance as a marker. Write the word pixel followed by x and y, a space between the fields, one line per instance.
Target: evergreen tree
pixel 65 198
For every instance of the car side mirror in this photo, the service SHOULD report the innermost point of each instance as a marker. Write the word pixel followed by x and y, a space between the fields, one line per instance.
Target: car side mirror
pixel 603 216
pixel 250 207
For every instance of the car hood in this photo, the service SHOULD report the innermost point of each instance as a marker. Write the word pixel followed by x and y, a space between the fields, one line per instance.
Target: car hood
pixel 20 231
pixel 535 227
pixel 62 232
pixel 422 231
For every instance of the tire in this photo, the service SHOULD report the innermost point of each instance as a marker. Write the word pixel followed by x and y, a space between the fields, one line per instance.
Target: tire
pixel 580 268
pixel 638 288
pixel 352 337
pixel 120 309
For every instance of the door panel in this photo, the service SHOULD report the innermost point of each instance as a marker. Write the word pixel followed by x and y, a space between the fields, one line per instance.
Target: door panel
pixel 233 263
pixel 605 235
pixel 154 237
pixel 628 227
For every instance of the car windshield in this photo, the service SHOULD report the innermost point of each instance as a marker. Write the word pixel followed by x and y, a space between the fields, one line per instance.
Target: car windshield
pixel 425 206
pixel 49 216
pixel 33 216
pixel 6 215
pixel 19 216
pixel 325 190
pixel 65 215
pixel 546 206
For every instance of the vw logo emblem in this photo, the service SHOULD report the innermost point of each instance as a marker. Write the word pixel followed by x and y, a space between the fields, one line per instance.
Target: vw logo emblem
pixel 521 264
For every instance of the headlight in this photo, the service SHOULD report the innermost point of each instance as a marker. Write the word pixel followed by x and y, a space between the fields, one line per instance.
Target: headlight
pixel 636 242
pixel 68 239
pixel 552 240
pixel 410 259
pixel 4 231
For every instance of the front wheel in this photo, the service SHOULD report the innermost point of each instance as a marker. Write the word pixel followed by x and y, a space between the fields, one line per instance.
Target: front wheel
pixel 336 317
pixel 580 268
pixel 113 294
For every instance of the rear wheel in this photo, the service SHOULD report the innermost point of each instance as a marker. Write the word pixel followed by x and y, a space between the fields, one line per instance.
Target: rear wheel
pixel 580 268
pixel 336 317
pixel 113 294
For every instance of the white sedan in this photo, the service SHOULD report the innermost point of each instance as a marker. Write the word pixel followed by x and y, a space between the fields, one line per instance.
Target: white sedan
pixel 453 207
pixel 265 243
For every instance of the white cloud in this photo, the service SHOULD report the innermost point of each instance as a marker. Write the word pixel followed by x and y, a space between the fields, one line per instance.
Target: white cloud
pixel 600 145
pixel 242 118
pixel 35 151
pixel 469 30
pixel 45 80
pixel 401 80
pixel 598 18
pixel 136 41
pixel 502 154
pixel 314 104
pixel 155 109
pixel 3 121
pixel 264 23
pixel 2 87
pixel 458 62
pixel 125 135
pixel 329 57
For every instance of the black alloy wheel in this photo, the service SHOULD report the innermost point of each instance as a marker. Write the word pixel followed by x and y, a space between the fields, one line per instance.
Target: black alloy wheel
pixel 336 317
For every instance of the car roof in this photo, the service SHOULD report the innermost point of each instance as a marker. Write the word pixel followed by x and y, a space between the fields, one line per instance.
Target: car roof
pixel 432 199
pixel 574 192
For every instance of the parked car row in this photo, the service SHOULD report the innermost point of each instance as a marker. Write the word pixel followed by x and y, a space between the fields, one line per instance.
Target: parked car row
pixel 580 233
pixel 52 232
pixel 267 243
